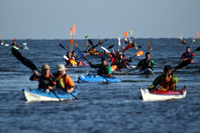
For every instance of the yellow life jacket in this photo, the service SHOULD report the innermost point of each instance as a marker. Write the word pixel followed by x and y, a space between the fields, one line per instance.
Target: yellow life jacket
pixel 73 62
pixel 166 83
pixel 60 82
pixel 93 52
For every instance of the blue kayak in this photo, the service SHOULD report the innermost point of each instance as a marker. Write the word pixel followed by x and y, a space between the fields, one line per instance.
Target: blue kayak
pixel 41 95
pixel 96 78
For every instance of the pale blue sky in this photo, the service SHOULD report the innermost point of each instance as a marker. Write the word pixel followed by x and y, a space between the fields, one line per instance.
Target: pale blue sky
pixel 52 19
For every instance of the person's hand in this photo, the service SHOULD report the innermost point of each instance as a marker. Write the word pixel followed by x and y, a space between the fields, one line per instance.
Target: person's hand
pixel 36 73
pixel 168 75
pixel 50 87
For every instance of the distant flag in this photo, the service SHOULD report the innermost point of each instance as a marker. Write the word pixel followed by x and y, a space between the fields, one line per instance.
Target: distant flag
pixel 0 35
pixel 149 46
pixel 14 39
pixel 197 33
pixel 73 29
pixel 125 34
pixel 87 36
pixel 98 35
pixel 119 43
pixel 193 40
pixel 131 33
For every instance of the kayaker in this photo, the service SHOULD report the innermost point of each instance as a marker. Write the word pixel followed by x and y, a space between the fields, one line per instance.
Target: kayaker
pixel 132 43
pixel 100 42
pixel 122 61
pixel 74 56
pixel 167 81
pixel 146 63
pixel 70 59
pixel 63 81
pixel 93 51
pixel 183 42
pixel 46 81
pixel 15 43
pixel 187 54
pixel 104 68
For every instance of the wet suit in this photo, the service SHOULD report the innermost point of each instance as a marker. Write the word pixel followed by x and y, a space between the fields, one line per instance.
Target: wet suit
pixel 44 82
pixel 103 70
pixel 145 64
pixel 121 63
pixel 167 84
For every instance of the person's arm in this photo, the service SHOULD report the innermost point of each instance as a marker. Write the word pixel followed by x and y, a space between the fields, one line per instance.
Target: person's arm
pixel 69 84
pixel 192 54
pixel 182 57
pixel 139 64
pixel 34 77
pixel 153 65
pixel 155 83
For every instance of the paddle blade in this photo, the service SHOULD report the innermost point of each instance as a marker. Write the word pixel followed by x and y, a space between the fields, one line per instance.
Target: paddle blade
pixel 86 43
pixel 105 49
pixel 76 44
pixel 90 41
pixel 125 34
pixel 197 33
pixel 182 64
pixel 79 52
pixel 197 49
pixel 62 46
pixel 87 36
pixel 119 43
pixel 139 53
pixel 127 47
pixel 113 67
pixel 110 46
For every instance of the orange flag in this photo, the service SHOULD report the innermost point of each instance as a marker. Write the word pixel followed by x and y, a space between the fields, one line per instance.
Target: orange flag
pixel 197 33
pixel 71 41
pixel 86 43
pixel 73 29
pixel 125 34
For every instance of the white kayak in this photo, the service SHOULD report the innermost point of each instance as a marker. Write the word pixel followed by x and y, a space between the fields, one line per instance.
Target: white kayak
pixel 158 95
pixel 41 95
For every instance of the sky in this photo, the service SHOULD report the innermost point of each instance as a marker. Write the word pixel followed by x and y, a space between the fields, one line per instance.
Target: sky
pixel 52 19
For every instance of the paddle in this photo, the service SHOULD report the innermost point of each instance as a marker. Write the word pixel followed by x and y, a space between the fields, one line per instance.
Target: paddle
pixel 90 41
pixel 28 63
pixel 182 64
pixel 198 49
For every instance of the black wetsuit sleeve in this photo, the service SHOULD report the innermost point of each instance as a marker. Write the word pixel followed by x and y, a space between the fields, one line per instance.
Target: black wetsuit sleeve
pixel 33 77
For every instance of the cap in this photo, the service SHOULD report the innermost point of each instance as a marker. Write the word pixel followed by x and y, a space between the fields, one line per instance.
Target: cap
pixel 45 67
pixel 103 59
pixel 61 67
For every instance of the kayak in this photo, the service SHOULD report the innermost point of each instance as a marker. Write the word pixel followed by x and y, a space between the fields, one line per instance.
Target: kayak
pixel 96 55
pixel 91 78
pixel 159 95
pixel 187 59
pixel 40 95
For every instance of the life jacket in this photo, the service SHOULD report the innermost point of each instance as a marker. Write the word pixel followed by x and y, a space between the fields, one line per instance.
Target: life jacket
pixel 71 61
pixel 121 64
pixel 61 82
pixel 167 84
pixel 103 70
pixel 45 81
pixel 188 55
pixel 93 52
pixel 145 64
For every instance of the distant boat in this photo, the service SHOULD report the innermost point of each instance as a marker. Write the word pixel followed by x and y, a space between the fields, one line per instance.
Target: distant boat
pixel 6 44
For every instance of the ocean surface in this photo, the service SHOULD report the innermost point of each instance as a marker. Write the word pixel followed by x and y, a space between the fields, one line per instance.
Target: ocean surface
pixel 101 108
